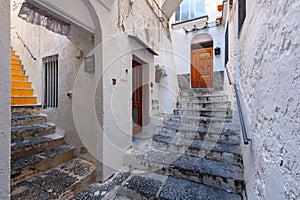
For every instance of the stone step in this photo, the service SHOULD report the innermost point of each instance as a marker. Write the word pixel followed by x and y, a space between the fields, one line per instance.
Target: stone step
pixel 62 182
pixel 19 78
pixel 201 92
pixel 203 104
pixel 30 166
pixel 17 72
pixel 220 134
pixel 147 185
pixel 21 84
pixel 220 112
pixel 29 147
pixel 21 92
pixel 195 120
pixel 225 176
pixel 15 62
pixel 27 132
pixel 105 190
pixel 212 150
pixel 197 98
pixel 21 100
pixel 28 120
pixel 19 110
pixel 18 67
pixel 14 57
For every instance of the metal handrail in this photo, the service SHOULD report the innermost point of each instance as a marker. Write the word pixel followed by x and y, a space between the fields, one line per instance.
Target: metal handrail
pixel 25 46
pixel 244 132
pixel 242 122
pixel 229 79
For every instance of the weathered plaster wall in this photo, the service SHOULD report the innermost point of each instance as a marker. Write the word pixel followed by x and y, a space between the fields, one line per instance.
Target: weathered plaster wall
pixel 4 101
pixel 267 65
pixel 130 18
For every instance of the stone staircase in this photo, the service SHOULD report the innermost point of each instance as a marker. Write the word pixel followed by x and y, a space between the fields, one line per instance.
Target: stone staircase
pixel 42 165
pixel 21 88
pixel 194 155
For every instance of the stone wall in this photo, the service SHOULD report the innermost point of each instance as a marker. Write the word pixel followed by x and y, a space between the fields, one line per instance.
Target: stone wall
pixel 185 82
pixel 4 101
pixel 267 68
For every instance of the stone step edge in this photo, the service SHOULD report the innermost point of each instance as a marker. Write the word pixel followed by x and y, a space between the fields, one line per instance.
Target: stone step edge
pixel 47 142
pixel 81 181
pixel 40 162
pixel 105 190
pixel 159 186
pixel 21 129
pixel 201 152
pixel 223 182
pixel 196 130
pixel 20 117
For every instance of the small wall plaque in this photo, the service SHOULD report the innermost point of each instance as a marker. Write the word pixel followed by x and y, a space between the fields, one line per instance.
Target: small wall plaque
pixel 89 64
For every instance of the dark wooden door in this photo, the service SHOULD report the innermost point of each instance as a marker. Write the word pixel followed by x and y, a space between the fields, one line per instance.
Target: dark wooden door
pixel 137 97
pixel 202 68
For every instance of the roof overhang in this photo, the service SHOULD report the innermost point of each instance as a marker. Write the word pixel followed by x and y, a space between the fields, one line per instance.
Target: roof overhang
pixel 76 13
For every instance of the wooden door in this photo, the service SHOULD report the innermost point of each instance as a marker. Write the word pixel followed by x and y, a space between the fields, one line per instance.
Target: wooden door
pixel 137 97
pixel 202 67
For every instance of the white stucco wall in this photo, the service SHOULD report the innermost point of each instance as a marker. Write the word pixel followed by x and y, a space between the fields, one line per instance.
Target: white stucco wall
pixel 182 48
pixel 267 69
pixel 5 100
pixel 118 52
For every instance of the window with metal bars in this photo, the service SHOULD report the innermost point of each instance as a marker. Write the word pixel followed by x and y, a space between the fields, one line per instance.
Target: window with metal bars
pixel 51 81
pixel 241 14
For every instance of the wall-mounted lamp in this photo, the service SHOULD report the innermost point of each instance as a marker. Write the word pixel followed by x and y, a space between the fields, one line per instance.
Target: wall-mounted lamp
pixel 217 51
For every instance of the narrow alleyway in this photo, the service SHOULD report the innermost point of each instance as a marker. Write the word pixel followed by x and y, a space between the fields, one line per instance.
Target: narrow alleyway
pixel 195 155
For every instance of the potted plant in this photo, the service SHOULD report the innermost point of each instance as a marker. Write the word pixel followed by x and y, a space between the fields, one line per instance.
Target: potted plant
pixel 220 7
pixel 160 72
pixel 219 19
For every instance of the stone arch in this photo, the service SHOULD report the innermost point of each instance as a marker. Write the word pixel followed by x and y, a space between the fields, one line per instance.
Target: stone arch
pixel 201 38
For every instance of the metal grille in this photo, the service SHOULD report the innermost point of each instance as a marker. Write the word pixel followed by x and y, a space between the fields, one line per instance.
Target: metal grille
pixel 51 82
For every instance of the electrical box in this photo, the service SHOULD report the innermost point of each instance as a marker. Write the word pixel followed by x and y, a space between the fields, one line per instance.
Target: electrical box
pixel 89 64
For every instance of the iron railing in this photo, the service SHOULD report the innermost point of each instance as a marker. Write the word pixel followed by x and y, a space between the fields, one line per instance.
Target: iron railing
pixel 239 107
pixel 25 46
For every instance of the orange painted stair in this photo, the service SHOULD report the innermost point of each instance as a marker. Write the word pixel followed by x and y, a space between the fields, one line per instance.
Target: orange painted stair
pixel 21 89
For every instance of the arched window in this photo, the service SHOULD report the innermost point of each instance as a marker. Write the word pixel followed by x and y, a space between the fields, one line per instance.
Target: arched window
pixel 190 9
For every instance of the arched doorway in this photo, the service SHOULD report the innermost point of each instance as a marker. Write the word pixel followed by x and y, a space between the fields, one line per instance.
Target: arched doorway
pixel 202 62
